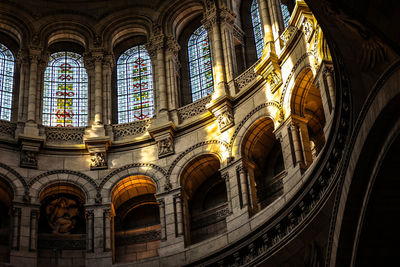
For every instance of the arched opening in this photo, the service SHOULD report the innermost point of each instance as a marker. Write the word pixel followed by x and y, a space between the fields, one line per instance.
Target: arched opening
pixel 62 226
pixel 263 159
pixel 205 199
pixel 137 225
pixel 306 103
pixel 249 52
pixel 6 197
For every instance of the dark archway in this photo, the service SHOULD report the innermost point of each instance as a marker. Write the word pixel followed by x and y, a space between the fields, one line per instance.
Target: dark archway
pixel 263 158
pixel 205 196
pixel 137 219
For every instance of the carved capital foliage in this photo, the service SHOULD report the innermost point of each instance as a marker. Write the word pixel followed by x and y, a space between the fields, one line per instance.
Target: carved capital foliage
pixel 227 16
pixel 172 45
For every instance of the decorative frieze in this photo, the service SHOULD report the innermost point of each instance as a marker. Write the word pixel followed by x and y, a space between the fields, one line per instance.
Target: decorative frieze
pixel 193 109
pixel 125 130
pixel 288 34
pixel 248 77
pixel 64 135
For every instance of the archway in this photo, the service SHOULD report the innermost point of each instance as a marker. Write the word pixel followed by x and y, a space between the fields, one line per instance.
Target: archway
pixel 306 103
pixel 6 197
pixel 62 226
pixel 263 160
pixel 137 219
pixel 205 198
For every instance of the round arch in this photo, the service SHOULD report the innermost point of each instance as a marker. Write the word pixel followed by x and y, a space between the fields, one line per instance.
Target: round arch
pixel 263 110
pixel 82 181
pixel 156 173
pixel 215 147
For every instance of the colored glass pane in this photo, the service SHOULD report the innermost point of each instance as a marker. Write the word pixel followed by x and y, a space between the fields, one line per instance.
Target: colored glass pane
pixel 200 66
pixel 285 15
pixel 257 28
pixel 65 94
pixel 6 82
pixel 135 85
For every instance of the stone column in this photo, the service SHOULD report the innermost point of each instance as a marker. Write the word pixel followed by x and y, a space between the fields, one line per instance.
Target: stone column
pixel 172 72
pixel 156 47
pixel 305 141
pixel 225 177
pixel 243 186
pixel 15 228
pixel 23 63
pixel 276 18
pixel 34 58
pixel 266 22
pixel 283 134
pixel 89 66
pixel 42 65
pixel 178 215
pixel 212 25
pixel 297 145
pixel 227 22
pixel 33 230
pixel 98 98
pixel 161 203
pixel 102 234
pixel 89 231
pixel 328 75
pixel 108 220
pixel 107 65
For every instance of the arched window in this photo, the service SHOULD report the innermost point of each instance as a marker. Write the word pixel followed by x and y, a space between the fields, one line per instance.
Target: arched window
pixel 200 66
pixel 135 85
pixel 6 82
pixel 285 15
pixel 257 28
pixel 65 95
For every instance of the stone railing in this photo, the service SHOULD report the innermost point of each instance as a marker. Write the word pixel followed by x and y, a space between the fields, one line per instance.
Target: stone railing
pixel 125 130
pixel 193 109
pixel 62 242
pixel 137 238
pixel 64 135
pixel 247 77
pixel 7 128
pixel 288 34
pixel 210 217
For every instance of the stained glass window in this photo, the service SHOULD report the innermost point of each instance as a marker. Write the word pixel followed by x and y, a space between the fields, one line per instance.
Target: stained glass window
pixel 6 82
pixel 285 15
pixel 200 66
pixel 65 94
pixel 135 85
pixel 257 28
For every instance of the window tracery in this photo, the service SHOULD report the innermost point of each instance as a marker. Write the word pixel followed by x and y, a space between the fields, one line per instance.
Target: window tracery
pixel 65 94
pixel 200 65
pixel 257 28
pixel 135 94
pixel 285 15
pixel 6 82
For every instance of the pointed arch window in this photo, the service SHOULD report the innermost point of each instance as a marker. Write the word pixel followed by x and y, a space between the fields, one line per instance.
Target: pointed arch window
pixel 135 94
pixel 285 15
pixel 200 65
pixel 65 94
pixel 6 82
pixel 257 28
